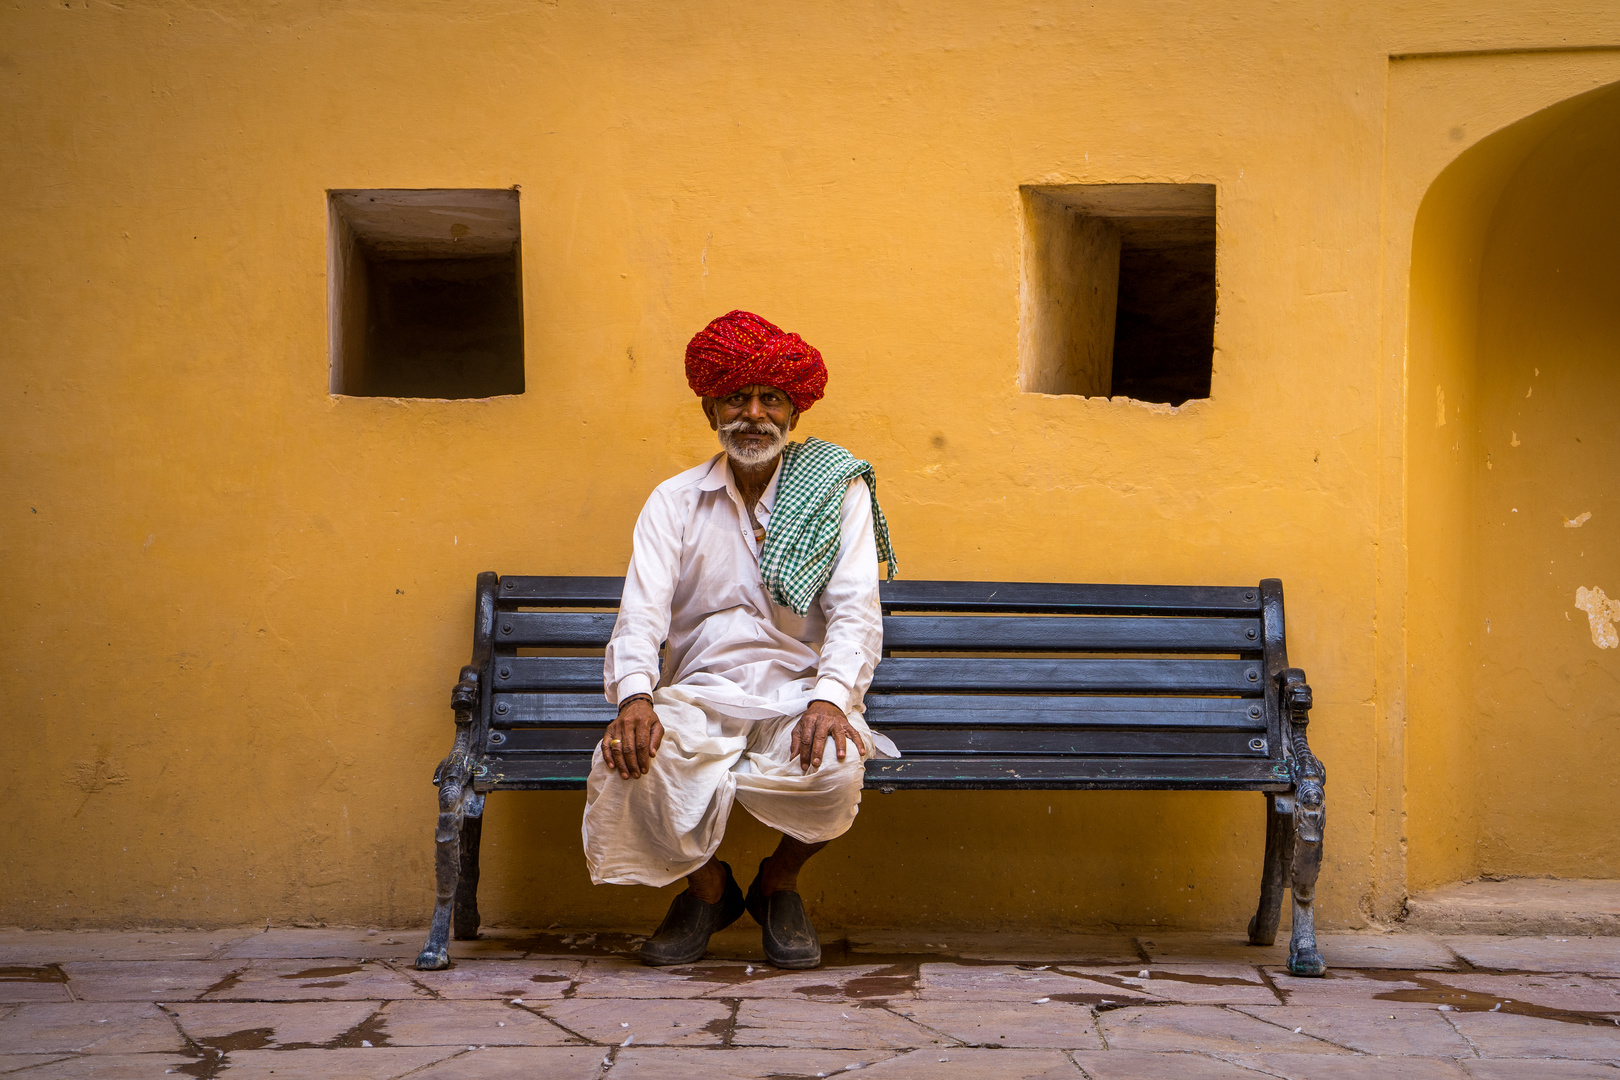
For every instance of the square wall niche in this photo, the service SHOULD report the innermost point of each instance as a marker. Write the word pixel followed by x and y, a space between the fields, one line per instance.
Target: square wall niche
pixel 425 293
pixel 1118 295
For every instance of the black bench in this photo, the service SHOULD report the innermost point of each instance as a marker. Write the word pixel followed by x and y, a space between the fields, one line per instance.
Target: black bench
pixel 983 686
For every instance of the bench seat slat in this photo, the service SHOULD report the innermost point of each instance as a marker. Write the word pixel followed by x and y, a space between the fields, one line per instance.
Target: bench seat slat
pixel 564 772
pixel 896 711
pixel 1010 633
pixel 917 741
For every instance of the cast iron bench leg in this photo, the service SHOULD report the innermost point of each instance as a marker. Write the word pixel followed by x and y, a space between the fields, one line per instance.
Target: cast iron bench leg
pixel 1310 815
pixel 464 913
pixel 1274 875
pixel 453 800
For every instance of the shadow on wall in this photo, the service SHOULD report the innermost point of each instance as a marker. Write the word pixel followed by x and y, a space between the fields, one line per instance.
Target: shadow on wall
pixel 1513 441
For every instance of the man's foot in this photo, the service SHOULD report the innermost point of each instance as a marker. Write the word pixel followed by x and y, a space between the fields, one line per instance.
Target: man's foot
pixel 790 941
pixel 683 936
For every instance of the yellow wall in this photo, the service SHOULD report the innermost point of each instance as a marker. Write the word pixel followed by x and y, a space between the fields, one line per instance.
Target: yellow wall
pixel 233 604
pixel 1511 703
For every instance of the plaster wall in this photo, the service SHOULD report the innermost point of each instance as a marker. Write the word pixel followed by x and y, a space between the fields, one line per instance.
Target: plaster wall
pixel 234 603
pixel 1511 703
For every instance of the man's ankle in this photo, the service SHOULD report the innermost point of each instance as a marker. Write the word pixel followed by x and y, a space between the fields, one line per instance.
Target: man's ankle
pixel 772 880
pixel 707 882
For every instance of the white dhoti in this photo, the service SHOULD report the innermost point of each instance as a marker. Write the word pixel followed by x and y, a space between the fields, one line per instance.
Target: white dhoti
pixel 660 827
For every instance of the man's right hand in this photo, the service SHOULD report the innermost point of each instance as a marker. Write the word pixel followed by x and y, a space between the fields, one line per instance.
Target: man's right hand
pixel 632 739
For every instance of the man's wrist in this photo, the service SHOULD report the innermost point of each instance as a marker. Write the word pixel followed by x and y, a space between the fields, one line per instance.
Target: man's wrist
pixel 634 697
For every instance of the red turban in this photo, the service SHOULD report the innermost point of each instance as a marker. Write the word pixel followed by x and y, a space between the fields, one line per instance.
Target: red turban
pixel 741 349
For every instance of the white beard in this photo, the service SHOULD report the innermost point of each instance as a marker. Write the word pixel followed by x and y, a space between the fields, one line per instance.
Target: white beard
pixel 748 456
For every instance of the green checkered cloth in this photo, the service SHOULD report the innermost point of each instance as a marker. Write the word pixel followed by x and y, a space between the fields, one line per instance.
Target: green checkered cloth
pixel 802 545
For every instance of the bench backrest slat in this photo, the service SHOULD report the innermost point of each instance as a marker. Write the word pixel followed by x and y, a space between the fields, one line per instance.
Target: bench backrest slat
pixel 948 633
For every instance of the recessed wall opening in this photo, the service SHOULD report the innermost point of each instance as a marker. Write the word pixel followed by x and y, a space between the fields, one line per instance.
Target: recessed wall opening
pixel 1118 295
pixel 425 296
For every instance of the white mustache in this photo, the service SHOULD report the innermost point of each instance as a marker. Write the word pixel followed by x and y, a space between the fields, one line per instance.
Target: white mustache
pixel 746 427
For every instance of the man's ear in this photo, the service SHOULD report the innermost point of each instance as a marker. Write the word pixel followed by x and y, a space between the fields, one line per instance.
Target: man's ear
pixel 793 419
pixel 708 410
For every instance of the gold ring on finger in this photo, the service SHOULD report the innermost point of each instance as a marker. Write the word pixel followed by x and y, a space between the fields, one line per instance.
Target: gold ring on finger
pixel 615 742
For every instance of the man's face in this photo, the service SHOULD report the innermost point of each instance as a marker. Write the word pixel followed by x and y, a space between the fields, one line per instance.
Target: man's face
pixel 753 422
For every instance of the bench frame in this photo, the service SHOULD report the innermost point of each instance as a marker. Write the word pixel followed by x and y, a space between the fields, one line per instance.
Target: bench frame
pixel 1292 777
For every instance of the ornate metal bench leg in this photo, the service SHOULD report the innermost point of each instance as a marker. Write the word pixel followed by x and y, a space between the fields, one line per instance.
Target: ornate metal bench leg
pixel 1274 876
pixel 435 955
pixel 1310 815
pixel 464 913
pixel 457 801
pixel 1310 818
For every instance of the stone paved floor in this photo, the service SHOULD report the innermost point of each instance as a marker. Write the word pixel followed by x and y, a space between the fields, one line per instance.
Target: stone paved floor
pixel 346 1003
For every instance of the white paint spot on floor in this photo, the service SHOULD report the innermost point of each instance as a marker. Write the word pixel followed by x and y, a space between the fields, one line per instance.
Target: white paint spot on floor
pixel 1577 522
pixel 1601 615
pixel 1439 406
pixel 1515 441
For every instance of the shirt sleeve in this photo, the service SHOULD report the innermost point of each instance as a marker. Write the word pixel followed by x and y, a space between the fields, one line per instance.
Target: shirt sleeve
pixel 630 665
pixel 854 641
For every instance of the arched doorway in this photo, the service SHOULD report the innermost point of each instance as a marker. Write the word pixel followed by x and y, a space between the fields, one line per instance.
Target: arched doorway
pixel 1513 471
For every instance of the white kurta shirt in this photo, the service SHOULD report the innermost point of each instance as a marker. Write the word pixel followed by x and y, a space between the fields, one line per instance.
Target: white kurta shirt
pixel 694 581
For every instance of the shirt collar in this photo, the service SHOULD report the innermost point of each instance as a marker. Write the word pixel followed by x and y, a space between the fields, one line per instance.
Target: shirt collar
pixel 719 478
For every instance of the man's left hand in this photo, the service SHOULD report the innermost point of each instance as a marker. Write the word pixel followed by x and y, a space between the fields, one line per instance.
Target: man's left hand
pixel 821 719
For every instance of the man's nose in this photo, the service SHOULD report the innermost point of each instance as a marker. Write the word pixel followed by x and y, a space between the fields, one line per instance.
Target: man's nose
pixel 754 409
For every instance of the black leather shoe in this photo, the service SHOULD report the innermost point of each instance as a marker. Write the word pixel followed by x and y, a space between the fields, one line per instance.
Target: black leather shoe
pixel 683 936
pixel 790 941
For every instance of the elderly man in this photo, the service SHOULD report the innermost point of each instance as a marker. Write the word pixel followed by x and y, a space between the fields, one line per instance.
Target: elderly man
pixel 759 568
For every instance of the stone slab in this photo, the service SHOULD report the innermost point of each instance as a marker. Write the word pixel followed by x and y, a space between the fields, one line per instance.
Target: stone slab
pixel 971 1064
pixel 1504 1034
pixel 89 1028
pixel 632 979
pixel 59 946
pixel 1204 1028
pixel 1411 952
pixel 821 1025
pixel 539 980
pixel 851 981
pixel 1518 906
pixel 294 943
pixel 278 1023
pixel 1538 1069
pixel 315 980
pixel 669 1022
pixel 1549 953
pixel 1009 982
pixel 33 982
pixel 1371 987
pixel 111 1067
pixel 517 1063
pixel 743 1063
pixel 373 1063
pixel 1145 1065
pixel 1194 984
pixel 1056 1025
pixel 1415 1031
pixel 465 1023
pixel 1577 993
pixel 1203 948
pixel 1317 1067
pixel 147 980
pixel 13 1062
pixel 1004 947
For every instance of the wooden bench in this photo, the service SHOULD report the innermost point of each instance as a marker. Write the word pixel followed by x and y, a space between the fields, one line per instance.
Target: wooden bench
pixel 983 686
